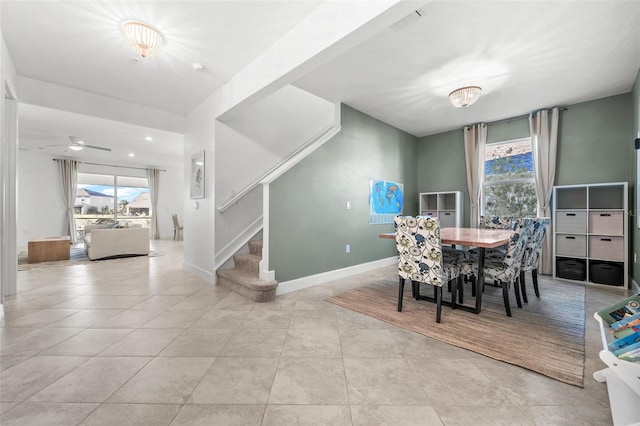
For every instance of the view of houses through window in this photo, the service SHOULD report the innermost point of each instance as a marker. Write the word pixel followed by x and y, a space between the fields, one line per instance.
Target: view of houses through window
pixel 509 180
pixel 111 197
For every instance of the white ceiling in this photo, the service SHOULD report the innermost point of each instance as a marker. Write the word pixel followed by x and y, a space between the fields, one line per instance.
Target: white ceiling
pixel 525 55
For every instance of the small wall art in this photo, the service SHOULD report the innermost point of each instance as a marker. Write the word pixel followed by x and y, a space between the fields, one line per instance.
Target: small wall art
pixel 197 175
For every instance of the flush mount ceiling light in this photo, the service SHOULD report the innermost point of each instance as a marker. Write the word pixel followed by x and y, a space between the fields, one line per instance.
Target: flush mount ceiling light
pixel 142 38
pixel 465 96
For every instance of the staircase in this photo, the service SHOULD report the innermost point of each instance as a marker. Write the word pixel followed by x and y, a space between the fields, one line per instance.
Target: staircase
pixel 244 277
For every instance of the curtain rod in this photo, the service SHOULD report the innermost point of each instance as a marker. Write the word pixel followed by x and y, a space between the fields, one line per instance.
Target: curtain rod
pixel 109 165
pixel 506 120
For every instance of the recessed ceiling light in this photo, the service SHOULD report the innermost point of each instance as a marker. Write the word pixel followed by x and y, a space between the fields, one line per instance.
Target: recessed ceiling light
pixel 131 154
pixel 148 138
pixel 76 147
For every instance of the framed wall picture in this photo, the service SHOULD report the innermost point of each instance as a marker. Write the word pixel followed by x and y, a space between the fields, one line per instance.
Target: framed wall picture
pixel 386 201
pixel 197 175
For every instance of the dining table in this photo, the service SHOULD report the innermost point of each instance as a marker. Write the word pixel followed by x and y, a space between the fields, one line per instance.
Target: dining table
pixel 482 238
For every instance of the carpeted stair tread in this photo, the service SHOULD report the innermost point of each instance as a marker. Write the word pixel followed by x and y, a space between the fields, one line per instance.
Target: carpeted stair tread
pixel 247 279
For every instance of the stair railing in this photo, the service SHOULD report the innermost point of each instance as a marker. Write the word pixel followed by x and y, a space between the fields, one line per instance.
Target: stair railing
pixel 289 158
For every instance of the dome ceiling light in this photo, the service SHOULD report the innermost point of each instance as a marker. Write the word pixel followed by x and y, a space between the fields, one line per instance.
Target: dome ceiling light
pixel 142 38
pixel 465 96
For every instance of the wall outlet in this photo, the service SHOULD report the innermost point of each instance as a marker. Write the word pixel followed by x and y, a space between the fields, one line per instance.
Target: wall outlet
pixel 347 248
pixel 348 205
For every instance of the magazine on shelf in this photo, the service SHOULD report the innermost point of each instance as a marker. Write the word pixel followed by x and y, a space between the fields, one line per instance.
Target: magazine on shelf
pixel 624 344
pixel 626 326
pixel 628 351
pixel 621 310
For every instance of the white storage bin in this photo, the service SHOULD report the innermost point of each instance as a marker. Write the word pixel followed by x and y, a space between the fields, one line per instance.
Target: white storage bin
pixel 606 223
pixel 571 245
pixel 431 213
pixel 447 219
pixel 571 222
pixel 609 248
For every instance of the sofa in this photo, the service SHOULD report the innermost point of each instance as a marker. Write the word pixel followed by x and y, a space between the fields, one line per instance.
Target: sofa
pixel 118 241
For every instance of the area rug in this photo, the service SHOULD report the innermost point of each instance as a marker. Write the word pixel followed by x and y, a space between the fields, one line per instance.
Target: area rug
pixel 77 256
pixel 546 336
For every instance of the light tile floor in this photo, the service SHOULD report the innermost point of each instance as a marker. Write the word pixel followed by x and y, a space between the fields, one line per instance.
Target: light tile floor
pixel 140 341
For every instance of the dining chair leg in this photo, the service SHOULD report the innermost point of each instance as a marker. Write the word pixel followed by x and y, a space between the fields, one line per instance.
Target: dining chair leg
pixel 438 302
pixel 534 278
pixel 453 284
pixel 460 290
pixel 473 286
pixel 523 287
pixel 400 293
pixel 505 296
pixel 516 290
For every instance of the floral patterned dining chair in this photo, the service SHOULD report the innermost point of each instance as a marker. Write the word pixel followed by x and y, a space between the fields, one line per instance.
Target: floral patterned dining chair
pixel 420 258
pixel 532 255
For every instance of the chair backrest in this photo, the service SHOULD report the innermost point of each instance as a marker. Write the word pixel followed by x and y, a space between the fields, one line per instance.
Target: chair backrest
pixel 496 222
pixel 176 224
pixel 533 250
pixel 419 249
pixel 515 249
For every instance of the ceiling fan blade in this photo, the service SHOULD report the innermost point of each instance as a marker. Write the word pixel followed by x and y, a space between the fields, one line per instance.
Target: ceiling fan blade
pixel 97 147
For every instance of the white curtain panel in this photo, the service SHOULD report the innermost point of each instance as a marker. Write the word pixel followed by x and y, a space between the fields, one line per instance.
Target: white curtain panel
pixel 544 141
pixel 153 177
pixel 69 174
pixel 475 138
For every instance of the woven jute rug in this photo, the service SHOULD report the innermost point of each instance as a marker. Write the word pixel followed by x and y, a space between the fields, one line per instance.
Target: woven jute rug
pixel 545 336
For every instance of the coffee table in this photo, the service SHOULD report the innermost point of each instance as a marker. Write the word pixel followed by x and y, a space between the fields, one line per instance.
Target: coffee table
pixel 48 249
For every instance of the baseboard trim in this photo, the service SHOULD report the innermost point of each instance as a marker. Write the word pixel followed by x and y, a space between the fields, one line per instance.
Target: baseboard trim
pixel 301 283
pixel 202 273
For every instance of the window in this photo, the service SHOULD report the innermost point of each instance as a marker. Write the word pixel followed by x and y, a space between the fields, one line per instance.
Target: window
pixel 509 180
pixel 112 197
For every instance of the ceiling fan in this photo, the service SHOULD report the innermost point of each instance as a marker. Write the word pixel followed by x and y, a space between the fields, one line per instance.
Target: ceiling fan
pixel 77 144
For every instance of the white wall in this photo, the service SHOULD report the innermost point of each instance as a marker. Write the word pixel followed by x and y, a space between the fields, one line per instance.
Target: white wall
pixel 41 210
pixel 170 199
pixel 8 159
pixel 199 223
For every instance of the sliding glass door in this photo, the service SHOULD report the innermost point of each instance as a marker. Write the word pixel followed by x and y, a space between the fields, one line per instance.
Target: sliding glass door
pixel 101 197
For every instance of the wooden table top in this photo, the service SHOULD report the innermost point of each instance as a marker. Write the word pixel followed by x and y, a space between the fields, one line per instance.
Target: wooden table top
pixel 477 237
pixel 48 239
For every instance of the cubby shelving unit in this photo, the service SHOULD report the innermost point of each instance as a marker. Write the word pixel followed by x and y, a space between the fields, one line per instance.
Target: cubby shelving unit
pixel 446 206
pixel 590 233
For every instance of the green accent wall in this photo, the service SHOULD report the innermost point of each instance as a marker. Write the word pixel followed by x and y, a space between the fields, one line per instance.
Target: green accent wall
pixel 593 142
pixel 594 145
pixel 309 223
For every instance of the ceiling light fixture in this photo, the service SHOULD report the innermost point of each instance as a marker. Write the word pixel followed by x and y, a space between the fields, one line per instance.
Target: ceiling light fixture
pixel 465 96
pixel 76 147
pixel 142 38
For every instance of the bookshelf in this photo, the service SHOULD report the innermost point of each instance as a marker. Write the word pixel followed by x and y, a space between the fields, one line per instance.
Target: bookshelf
pixel 590 233
pixel 446 206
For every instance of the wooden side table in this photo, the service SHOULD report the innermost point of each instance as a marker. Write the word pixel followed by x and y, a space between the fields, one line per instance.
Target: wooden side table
pixel 48 249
